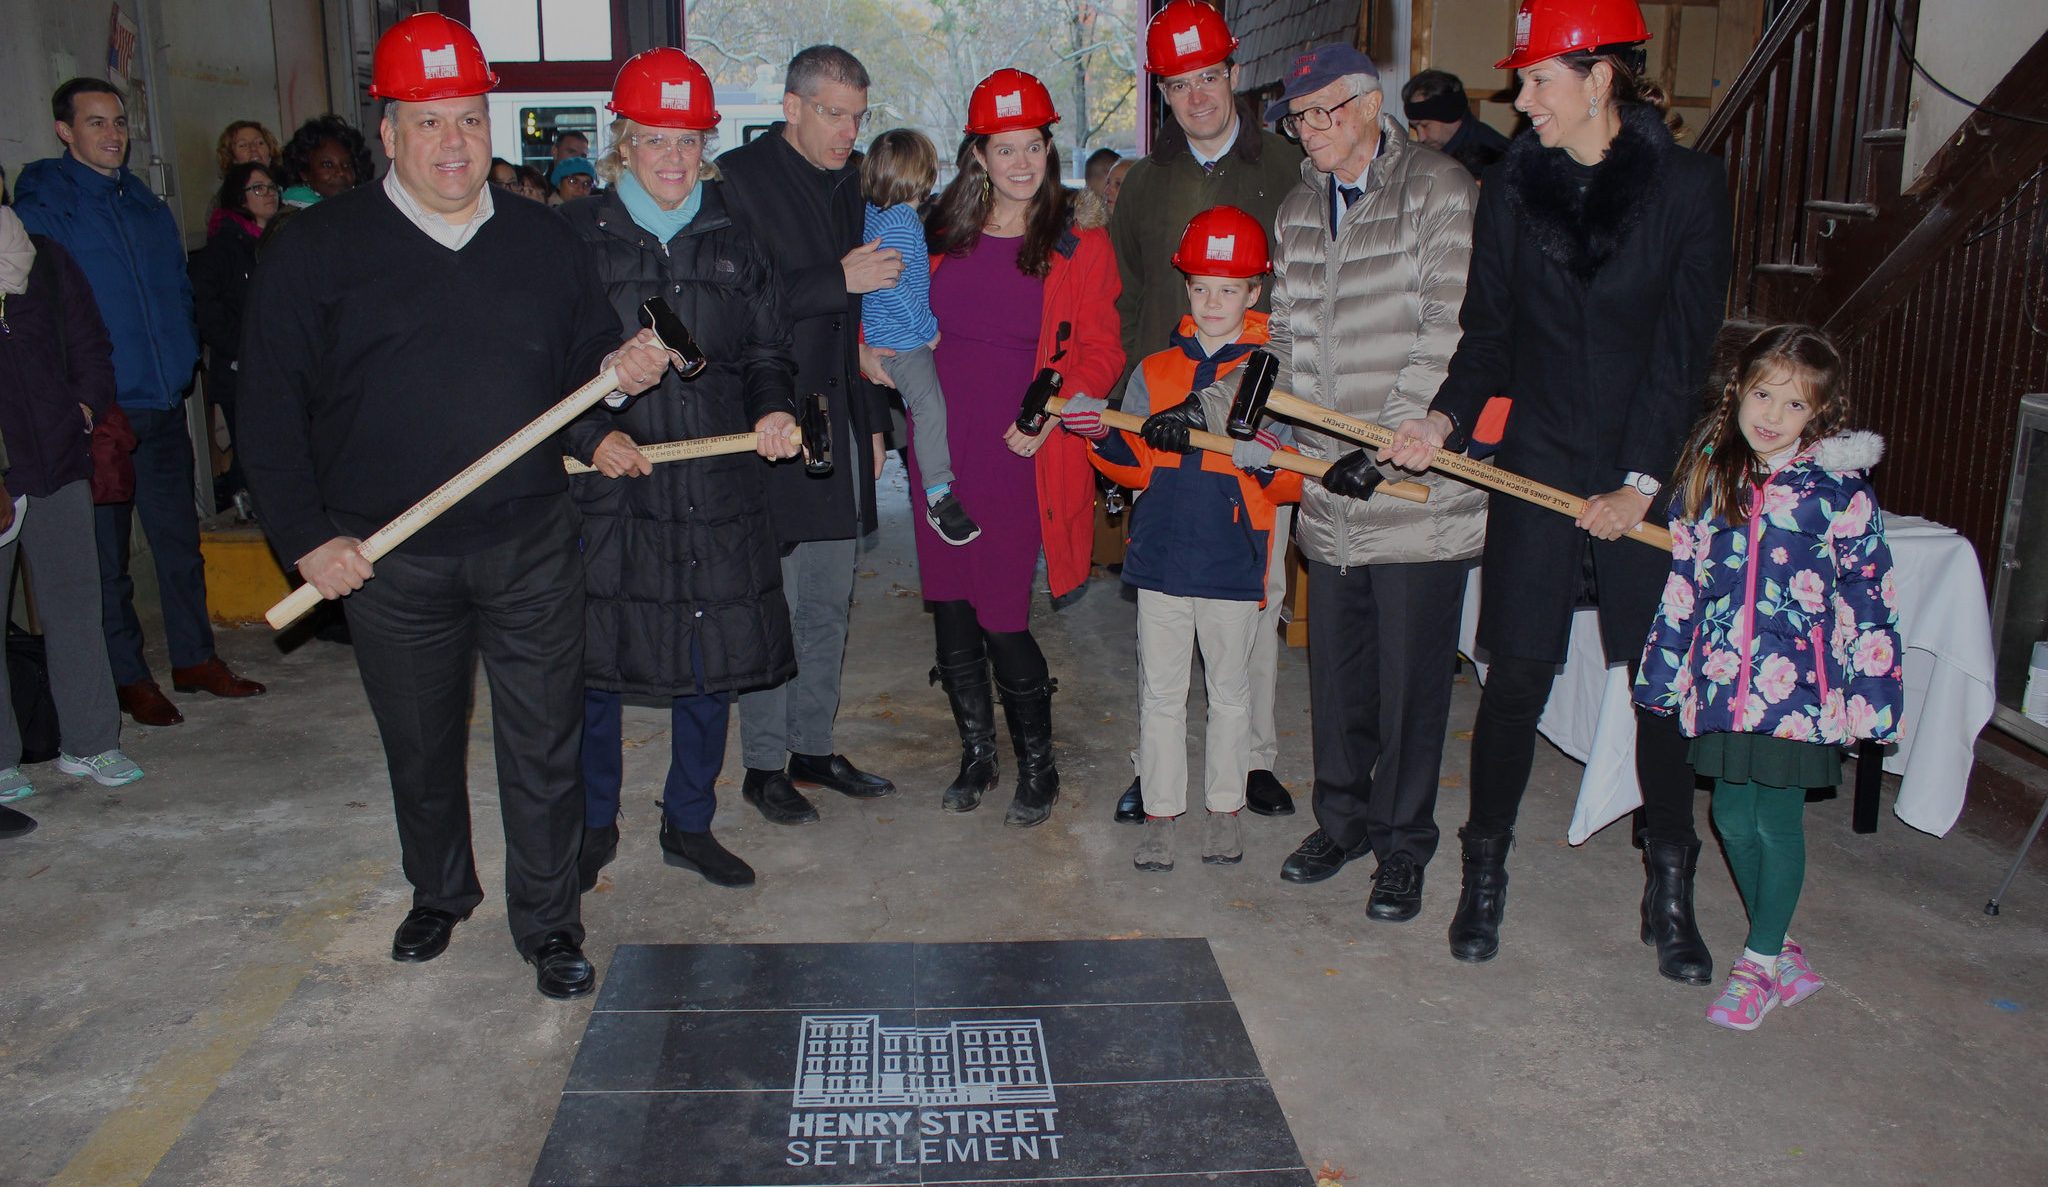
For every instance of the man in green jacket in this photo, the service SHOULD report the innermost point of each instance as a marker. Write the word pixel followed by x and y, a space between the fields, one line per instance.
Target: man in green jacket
pixel 1213 152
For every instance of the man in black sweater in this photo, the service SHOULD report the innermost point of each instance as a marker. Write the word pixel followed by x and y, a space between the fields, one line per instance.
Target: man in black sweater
pixel 797 188
pixel 395 334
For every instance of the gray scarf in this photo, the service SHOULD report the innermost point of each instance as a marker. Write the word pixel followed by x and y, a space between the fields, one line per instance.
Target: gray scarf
pixel 16 253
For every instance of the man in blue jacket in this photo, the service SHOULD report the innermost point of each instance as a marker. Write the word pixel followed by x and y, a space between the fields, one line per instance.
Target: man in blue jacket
pixel 126 241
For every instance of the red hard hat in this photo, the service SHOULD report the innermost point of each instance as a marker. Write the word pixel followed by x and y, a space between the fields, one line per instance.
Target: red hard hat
pixel 1547 28
pixel 664 88
pixel 1223 241
pixel 1186 35
pixel 1007 101
pixel 428 56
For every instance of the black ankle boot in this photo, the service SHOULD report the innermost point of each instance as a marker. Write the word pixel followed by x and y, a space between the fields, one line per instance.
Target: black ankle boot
pixel 702 852
pixel 1667 911
pixel 964 675
pixel 1475 929
pixel 1028 711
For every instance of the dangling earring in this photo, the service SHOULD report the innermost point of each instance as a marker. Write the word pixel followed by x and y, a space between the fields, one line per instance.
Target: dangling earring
pixel 1593 109
pixel 988 186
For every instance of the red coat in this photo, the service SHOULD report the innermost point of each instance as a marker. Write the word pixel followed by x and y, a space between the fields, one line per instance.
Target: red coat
pixel 1080 337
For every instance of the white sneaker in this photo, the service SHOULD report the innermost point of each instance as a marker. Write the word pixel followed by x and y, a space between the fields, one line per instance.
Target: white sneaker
pixel 108 769
pixel 14 786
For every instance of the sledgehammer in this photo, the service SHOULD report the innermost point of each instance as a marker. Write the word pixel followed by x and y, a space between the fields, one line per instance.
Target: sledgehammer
pixel 814 434
pixel 669 333
pixel 1042 399
pixel 1256 396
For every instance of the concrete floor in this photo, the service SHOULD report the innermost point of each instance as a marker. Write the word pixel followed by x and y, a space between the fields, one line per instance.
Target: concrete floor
pixel 197 986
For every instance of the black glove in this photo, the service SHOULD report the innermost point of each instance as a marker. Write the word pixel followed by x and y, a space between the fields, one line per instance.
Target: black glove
pixel 1353 475
pixel 1169 430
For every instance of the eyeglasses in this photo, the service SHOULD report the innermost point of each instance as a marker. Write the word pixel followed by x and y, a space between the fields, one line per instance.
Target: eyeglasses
pixel 1319 119
pixel 833 115
pixel 1207 80
pixel 661 142
pixel 264 190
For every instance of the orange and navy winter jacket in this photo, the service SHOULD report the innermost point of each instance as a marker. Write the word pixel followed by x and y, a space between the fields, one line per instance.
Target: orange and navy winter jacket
pixel 1201 527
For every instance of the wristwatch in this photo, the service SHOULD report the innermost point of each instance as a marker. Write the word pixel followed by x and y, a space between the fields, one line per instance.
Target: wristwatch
pixel 1643 483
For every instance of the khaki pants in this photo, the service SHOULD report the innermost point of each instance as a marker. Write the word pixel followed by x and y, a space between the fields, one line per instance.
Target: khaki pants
pixel 1264 750
pixel 1169 630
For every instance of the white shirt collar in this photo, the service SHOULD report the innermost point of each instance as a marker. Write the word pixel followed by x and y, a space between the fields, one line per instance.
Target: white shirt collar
pixel 1205 161
pixel 449 235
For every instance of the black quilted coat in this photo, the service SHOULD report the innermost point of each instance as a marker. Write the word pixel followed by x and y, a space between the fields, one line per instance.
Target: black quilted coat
pixel 683 572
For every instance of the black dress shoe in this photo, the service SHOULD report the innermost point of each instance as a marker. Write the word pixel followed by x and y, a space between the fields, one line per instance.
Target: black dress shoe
pixel 1130 806
pixel 600 845
pixel 702 852
pixel 423 935
pixel 1396 891
pixel 1266 795
pixel 560 968
pixel 776 797
pixel 833 771
pixel 1316 858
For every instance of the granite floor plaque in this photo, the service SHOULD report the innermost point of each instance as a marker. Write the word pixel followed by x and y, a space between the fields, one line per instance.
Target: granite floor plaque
pixel 1096 1061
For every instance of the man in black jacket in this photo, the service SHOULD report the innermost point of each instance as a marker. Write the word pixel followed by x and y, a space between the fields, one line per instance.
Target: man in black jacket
pixel 797 189
pixel 394 334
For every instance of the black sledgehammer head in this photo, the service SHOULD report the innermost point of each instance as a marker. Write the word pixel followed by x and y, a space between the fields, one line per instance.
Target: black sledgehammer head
pixel 1255 382
pixel 673 335
pixel 817 430
pixel 1031 417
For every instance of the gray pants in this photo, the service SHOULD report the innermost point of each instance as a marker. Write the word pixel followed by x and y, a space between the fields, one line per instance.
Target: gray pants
pixel 64 573
pixel 916 376
pixel 1169 630
pixel 796 717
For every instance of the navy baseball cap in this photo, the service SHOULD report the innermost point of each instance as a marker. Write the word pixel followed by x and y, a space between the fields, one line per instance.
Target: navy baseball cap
pixel 1315 70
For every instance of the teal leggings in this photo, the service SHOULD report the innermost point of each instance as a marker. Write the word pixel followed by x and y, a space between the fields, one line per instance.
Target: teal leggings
pixel 1762 829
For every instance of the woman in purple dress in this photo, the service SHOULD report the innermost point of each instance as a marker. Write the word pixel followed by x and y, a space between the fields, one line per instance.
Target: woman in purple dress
pixel 1023 278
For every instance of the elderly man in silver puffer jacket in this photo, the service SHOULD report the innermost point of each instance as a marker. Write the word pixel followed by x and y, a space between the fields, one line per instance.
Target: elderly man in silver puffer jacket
pixel 1370 260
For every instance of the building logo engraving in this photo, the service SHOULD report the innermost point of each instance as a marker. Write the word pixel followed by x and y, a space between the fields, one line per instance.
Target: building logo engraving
pixel 852 1061
pixel 967 1092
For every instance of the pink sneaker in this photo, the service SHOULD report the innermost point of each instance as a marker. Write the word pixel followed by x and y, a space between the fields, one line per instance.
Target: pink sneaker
pixel 1748 996
pixel 1796 979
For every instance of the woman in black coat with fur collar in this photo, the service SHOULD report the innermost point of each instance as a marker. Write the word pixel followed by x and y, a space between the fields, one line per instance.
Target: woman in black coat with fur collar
pixel 1600 262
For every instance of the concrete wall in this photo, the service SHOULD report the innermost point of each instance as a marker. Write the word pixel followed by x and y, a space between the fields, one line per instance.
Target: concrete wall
pixel 1969 45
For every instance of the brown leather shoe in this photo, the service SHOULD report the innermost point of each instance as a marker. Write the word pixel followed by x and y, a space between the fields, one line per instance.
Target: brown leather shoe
pixel 215 677
pixel 147 704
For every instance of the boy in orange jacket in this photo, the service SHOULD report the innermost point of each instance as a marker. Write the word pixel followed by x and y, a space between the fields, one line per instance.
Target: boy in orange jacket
pixel 1201 534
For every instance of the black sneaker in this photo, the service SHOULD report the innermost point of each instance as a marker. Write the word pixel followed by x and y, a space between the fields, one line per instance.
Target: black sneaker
pixel 950 520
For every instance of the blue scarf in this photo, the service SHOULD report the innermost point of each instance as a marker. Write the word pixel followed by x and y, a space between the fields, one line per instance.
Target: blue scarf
pixel 664 225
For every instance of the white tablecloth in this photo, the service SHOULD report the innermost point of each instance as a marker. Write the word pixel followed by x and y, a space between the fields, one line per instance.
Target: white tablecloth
pixel 1944 624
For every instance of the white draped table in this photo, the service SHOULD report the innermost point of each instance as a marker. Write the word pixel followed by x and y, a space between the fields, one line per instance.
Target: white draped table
pixel 1944 625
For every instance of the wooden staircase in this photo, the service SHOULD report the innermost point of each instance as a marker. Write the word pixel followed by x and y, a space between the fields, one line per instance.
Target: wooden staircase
pixel 1935 291
pixel 1813 131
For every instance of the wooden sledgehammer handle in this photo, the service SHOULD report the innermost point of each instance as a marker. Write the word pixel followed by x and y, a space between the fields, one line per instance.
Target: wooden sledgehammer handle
pixel 676 451
pixel 1457 465
pixel 1414 492
pixel 295 604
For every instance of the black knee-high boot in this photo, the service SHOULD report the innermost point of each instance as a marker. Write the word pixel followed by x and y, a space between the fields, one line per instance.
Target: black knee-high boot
pixel 1028 710
pixel 964 675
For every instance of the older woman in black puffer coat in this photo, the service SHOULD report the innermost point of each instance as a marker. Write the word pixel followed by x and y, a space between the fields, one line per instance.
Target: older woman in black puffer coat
pixel 1600 261
pixel 684 579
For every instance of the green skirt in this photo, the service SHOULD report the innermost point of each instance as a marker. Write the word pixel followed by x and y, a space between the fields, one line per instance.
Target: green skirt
pixel 1760 758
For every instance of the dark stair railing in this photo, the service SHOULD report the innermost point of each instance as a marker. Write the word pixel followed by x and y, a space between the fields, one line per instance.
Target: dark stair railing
pixel 1813 132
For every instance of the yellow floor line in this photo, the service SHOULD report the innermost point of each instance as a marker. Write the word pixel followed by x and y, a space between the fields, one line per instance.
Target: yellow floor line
pixel 128 1144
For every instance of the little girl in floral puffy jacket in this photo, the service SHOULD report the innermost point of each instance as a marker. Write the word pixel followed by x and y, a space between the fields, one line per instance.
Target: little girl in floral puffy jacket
pixel 1777 642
